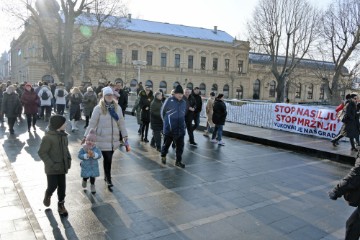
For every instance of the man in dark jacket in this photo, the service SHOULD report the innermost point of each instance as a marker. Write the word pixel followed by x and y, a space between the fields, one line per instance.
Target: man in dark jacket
pixel 198 108
pixel 123 99
pixel 351 182
pixel 173 114
pixel 189 117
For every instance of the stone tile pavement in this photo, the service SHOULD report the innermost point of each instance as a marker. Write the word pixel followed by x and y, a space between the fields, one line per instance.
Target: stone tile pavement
pixel 244 190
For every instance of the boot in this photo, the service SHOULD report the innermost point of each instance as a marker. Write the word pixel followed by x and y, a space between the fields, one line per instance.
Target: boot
pixel 108 181
pixel 62 210
pixel 179 164
pixel 47 199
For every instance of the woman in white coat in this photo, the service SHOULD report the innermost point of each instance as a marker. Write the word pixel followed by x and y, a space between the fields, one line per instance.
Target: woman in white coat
pixel 108 121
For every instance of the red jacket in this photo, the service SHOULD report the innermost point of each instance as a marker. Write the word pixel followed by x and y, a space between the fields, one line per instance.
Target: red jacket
pixel 30 101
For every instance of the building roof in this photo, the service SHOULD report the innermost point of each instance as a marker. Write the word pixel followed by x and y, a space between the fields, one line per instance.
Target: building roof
pixel 262 58
pixel 167 29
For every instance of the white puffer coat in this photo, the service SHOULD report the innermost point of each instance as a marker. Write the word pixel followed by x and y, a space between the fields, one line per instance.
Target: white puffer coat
pixel 107 129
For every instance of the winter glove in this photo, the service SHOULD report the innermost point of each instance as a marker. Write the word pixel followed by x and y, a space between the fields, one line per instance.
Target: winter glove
pixel 133 113
pixel 86 156
pixel 96 155
pixel 332 195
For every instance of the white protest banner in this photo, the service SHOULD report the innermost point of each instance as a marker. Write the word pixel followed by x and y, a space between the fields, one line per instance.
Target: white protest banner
pixel 308 120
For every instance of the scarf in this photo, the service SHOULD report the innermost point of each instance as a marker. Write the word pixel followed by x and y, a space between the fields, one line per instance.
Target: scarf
pixel 111 109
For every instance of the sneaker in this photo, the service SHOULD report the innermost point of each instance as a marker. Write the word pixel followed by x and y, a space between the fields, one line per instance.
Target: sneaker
pixel 193 143
pixel 109 182
pixel 163 160
pixel 146 140
pixel 221 143
pixel 92 188
pixel 180 164
pixel 213 141
pixel 334 142
pixel 47 200
pixel 83 183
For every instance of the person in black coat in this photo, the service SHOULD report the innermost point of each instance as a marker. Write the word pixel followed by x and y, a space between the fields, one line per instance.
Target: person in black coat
pixel 190 114
pixel 196 94
pixel 218 118
pixel 350 128
pixel 351 182
pixel 156 122
pixel 146 97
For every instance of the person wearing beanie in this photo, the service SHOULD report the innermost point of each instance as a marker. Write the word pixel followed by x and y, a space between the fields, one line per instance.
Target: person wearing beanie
pixel 55 154
pixel 108 121
pixel 89 155
pixel 198 100
pixel 60 98
pixel 218 118
pixel 156 121
pixel 173 115
pixel 75 99
pixel 209 113
pixel 89 102
pixel 350 128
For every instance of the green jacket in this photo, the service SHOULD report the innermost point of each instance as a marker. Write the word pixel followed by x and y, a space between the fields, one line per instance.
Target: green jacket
pixel 54 152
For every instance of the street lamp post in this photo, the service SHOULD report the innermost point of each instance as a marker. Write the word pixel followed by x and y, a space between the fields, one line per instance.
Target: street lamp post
pixel 139 64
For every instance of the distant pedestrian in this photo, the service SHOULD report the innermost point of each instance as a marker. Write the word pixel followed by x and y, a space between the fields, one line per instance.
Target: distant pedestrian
pixel 136 110
pixel 2 91
pixel 45 96
pixel 89 102
pixel 54 152
pixel 75 99
pixel 173 115
pixel 11 106
pixel 219 117
pixel 350 127
pixel 108 121
pixel 146 97
pixel 350 184
pixel 209 113
pixel 60 98
pixel 30 101
pixel 89 155
pixel 190 114
pixel 156 121
pixel 197 96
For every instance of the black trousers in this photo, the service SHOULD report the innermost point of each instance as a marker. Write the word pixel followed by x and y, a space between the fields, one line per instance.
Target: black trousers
pixel 11 123
pixel 60 109
pixel 92 180
pixel 107 155
pixel 31 119
pixel 179 142
pixel 157 139
pixel 144 130
pixel 353 226
pixel 47 110
pixel 58 182
pixel 190 131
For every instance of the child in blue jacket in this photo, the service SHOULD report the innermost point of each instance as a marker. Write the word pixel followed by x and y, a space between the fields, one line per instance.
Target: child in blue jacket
pixel 89 154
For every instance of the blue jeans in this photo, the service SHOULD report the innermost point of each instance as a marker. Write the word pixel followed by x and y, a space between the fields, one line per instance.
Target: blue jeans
pixel 218 130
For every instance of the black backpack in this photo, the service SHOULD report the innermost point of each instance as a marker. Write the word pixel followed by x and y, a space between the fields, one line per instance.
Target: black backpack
pixel 44 95
pixel 60 93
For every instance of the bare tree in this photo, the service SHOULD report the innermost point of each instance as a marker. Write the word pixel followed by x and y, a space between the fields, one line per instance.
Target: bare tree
pixel 57 25
pixel 341 35
pixel 285 30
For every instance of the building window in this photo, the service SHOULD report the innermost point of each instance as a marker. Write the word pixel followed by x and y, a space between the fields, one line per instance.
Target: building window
pixel 163 86
pixel 240 66
pixel 298 91
pixel 190 62
pixel 102 54
pixel 214 88
pixel 310 91
pixel 163 59
pixel 239 92
pixel 175 84
pixel 227 65
pixel 202 88
pixel 215 64
pixel 226 91
pixel 272 89
pixel 203 63
pixel 177 60
pixel 149 57
pixel 148 83
pixel 322 92
pixel 119 55
pixel 133 85
pixel 190 86
pixel 256 89
pixel 134 55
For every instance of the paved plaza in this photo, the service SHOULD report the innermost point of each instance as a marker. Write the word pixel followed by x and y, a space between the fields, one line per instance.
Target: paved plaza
pixel 244 190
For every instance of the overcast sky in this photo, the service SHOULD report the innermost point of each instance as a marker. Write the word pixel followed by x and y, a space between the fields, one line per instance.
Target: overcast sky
pixel 228 15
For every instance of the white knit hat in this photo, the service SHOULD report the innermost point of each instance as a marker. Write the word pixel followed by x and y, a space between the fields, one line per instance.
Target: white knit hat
pixel 107 91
